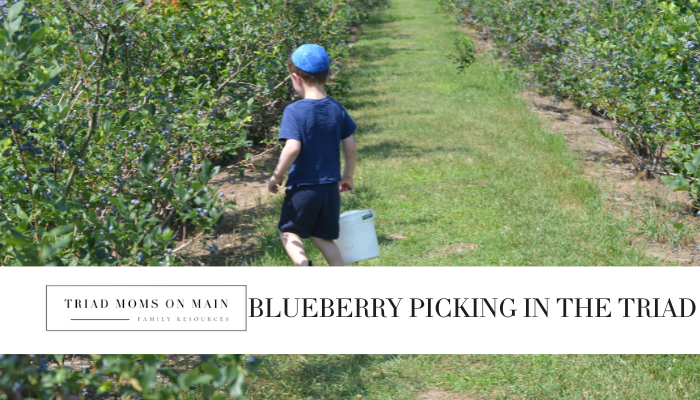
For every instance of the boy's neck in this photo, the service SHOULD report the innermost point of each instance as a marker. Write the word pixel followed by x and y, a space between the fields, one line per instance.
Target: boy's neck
pixel 314 92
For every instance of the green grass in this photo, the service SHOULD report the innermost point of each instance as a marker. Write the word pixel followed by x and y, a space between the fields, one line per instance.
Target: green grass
pixel 450 161
pixel 540 377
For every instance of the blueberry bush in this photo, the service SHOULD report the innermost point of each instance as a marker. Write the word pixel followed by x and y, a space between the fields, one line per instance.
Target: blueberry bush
pixel 142 377
pixel 633 61
pixel 115 115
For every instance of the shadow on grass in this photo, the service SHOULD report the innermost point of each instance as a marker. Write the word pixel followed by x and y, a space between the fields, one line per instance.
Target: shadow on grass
pixel 397 149
pixel 343 375
pixel 387 18
pixel 355 102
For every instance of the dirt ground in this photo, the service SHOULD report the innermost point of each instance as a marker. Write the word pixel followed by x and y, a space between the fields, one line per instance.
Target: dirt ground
pixel 439 394
pixel 235 235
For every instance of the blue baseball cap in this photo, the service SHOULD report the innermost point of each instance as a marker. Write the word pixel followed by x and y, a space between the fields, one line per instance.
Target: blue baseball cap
pixel 311 58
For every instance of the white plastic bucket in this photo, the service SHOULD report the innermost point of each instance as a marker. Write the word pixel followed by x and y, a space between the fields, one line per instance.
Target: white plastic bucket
pixel 358 239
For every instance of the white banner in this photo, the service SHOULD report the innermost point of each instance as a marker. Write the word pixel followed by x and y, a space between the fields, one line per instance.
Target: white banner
pixel 423 310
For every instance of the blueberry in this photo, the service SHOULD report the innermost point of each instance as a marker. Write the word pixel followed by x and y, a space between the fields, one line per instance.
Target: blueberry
pixel 42 365
pixel 252 360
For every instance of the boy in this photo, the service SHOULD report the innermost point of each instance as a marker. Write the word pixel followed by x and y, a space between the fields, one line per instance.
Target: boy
pixel 313 129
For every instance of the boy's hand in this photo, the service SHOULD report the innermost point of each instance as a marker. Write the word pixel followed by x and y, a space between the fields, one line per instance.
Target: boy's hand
pixel 346 185
pixel 272 186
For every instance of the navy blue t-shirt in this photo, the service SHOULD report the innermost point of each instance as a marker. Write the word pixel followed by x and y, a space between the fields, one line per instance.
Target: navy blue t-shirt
pixel 319 125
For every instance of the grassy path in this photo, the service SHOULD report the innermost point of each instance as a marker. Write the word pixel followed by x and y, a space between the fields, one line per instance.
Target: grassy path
pixel 472 377
pixel 457 169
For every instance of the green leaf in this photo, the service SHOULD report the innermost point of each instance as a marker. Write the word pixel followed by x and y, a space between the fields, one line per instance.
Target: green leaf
pixel 21 214
pixel 211 370
pixel 237 386
pixel 182 193
pixel 675 182
pixel 169 372
pixel 14 26
pixel 124 119
pixel 151 108
pixel 147 162
pixel 105 388
pixel 231 372
pixel 37 36
pixel 184 381
pixel 15 241
pixel 59 231
pixel 207 169
pixel 48 252
pixel 696 159
pixel 14 11
pixel 203 378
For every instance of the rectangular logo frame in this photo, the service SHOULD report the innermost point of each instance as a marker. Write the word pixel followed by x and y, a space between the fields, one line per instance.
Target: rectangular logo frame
pixel 245 307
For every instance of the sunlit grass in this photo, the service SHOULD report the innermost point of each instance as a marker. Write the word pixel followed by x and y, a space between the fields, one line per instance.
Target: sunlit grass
pixel 540 377
pixel 457 169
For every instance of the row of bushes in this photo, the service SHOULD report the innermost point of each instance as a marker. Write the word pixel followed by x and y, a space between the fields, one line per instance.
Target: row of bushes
pixel 114 114
pixel 635 61
pixel 144 377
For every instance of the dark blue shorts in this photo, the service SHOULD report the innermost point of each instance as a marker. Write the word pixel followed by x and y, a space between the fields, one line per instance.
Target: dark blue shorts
pixel 311 210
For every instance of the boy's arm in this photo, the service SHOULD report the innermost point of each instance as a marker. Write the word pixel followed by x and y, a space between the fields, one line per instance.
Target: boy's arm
pixel 289 154
pixel 346 183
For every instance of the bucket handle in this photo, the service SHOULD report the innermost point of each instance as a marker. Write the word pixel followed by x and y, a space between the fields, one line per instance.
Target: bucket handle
pixel 363 202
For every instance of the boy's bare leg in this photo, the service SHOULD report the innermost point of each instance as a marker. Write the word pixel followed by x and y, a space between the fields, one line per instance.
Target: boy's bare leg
pixel 330 251
pixel 295 248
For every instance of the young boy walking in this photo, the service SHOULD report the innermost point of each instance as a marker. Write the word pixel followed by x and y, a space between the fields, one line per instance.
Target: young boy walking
pixel 313 129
